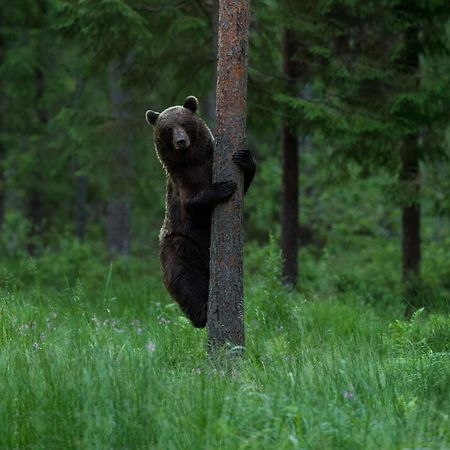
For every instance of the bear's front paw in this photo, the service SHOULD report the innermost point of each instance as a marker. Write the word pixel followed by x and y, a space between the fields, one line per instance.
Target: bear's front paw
pixel 224 189
pixel 244 159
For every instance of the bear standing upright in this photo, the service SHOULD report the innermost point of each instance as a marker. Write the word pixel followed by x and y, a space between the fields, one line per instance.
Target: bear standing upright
pixel 185 146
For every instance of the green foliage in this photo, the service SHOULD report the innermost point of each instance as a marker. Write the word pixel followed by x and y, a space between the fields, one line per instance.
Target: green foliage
pixel 423 334
pixel 96 355
pixel 109 361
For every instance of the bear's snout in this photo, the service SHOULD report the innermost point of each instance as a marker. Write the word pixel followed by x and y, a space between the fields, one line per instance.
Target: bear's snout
pixel 181 139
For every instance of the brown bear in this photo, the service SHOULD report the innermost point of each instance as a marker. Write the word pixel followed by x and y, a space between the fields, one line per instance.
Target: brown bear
pixel 185 146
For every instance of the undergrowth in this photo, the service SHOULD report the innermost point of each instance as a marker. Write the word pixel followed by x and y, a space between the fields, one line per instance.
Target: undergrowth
pixel 99 357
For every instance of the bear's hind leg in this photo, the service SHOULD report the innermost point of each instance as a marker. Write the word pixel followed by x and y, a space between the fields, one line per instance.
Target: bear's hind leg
pixel 189 287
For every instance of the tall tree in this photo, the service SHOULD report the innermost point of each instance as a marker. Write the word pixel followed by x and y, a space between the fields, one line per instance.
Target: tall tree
pixel 36 210
pixel 2 112
pixel 410 178
pixel 226 301
pixel 290 179
pixel 367 99
pixel 119 207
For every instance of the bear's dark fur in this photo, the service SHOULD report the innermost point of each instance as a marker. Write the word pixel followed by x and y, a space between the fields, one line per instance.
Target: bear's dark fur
pixel 184 145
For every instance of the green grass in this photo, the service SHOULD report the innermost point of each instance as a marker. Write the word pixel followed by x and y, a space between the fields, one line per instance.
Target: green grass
pixel 105 361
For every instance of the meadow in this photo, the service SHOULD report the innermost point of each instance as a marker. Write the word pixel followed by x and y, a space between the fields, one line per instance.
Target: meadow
pixel 100 358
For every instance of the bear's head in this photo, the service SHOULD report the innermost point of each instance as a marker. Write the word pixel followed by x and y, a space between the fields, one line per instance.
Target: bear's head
pixel 181 137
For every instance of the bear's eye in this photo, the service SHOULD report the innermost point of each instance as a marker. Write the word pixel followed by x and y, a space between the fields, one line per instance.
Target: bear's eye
pixel 165 133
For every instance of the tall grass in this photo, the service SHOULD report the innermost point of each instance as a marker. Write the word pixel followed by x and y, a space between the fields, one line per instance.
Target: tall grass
pixel 109 363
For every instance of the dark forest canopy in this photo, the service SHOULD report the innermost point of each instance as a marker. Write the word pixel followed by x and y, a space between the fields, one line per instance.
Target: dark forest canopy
pixel 369 106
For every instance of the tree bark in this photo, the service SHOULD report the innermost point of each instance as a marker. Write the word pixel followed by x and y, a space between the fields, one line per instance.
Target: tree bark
pixel 80 206
pixel 2 186
pixel 290 179
pixel 36 205
pixel 290 206
pixel 411 243
pixel 226 302
pixel 410 180
pixel 119 207
pixel 119 228
pixel 36 209
pixel 209 103
pixel 2 147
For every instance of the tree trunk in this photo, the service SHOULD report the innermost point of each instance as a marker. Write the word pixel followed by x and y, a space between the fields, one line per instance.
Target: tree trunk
pixel 36 205
pixel 119 207
pixel 80 206
pixel 289 214
pixel 36 210
pixel 2 187
pixel 208 104
pixel 119 228
pixel 410 180
pixel 411 248
pixel 290 177
pixel 2 147
pixel 226 302
pixel 36 216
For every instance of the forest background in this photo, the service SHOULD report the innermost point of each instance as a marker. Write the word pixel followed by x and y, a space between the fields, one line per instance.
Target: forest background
pixel 354 96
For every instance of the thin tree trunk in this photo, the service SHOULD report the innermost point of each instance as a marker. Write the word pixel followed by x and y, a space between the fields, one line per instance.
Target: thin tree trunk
pixel 80 206
pixel 411 243
pixel 410 179
pixel 119 207
pixel 2 186
pixel 2 147
pixel 290 177
pixel 226 302
pixel 36 210
pixel 36 207
pixel 119 228
pixel 209 102
pixel 36 216
pixel 289 214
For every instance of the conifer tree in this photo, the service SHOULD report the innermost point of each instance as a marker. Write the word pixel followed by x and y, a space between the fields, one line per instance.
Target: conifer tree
pixel 368 103
pixel 290 179
pixel 226 302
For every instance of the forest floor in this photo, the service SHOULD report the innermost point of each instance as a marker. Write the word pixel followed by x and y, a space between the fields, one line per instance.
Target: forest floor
pixel 104 360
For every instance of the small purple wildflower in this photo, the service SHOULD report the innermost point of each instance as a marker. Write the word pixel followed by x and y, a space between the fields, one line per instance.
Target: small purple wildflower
pixel 23 329
pixel 150 346
pixel 348 394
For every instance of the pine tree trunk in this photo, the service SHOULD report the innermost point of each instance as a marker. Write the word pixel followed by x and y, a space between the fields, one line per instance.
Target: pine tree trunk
pixel 36 210
pixel 36 217
pixel 208 104
pixel 411 243
pixel 80 206
pixel 2 147
pixel 410 180
pixel 2 193
pixel 289 214
pixel 119 207
pixel 119 228
pixel 226 302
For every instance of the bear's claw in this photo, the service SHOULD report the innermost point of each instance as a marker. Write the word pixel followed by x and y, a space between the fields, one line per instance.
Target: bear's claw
pixel 244 159
pixel 224 189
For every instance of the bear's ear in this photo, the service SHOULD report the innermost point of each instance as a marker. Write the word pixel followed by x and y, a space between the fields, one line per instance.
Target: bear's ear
pixel 191 103
pixel 151 116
